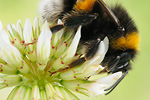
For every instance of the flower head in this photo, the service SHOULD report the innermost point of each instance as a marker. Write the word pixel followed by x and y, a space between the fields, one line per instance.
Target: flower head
pixel 37 61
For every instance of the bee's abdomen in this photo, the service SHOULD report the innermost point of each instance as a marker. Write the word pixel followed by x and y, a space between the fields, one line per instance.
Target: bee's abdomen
pixel 130 41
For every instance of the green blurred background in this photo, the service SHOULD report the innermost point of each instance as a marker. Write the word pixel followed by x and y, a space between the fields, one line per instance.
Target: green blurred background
pixel 136 86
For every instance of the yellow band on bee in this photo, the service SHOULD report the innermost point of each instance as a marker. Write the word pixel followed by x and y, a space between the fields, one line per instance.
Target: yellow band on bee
pixel 85 5
pixel 131 41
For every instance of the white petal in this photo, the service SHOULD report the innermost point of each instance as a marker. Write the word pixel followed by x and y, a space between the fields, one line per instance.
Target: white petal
pixel 106 42
pixel 79 73
pixel 44 43
pixel 91 70
pixel 13 26
pixel 11 55
pixel 58 34
pixel 36 27
pixel 59 94
pixel 102 49
pixel 18 93
pixel 35 23
pixel 1 25
pixel 4 38
pixel 73 47
pixel 11 80
pixel 8 52
pixel 35 94
pixel 59 21
pixel 18 22
pixel 98 87
pixel 9 27
pixel 49 89
pixel 27 31
pixel 109 80
pixel 19 28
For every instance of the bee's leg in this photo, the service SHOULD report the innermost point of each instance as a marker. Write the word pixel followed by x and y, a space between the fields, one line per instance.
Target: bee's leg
pixel 92 49
pixel 77 62
pixel 90 52
pixel 56 28
pixel 113 66
pixel 71 65
pixel 76 19
pixel 109 68
pixel 120 63
pixel 110 89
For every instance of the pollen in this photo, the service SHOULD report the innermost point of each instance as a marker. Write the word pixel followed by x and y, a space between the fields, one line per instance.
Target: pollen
pixel 85 5
pixel 13 42
pixel 62 62
pixel 77 90
pixel 53 47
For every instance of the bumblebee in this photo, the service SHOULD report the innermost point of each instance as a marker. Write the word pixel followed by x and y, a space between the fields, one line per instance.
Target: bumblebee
pixel 98 21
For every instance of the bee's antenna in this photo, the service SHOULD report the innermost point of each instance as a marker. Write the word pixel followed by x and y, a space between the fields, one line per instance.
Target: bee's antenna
pixel 110 89
pixel 109 12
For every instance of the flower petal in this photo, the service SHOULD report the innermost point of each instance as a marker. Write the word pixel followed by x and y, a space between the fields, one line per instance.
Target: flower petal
pixel 59 21
pixel 10 80
pixel 4 38
pixel 35 94
pixel 10 27
pixel 50 91
pixel 68 95
pixel 36 23
pixel 43 45
pixel 27 31
pixel 27 94
pixel 73 46
pixel 58 95
pixel 43 94
pixel 19 29
pixel 106 42
pixel 8 70
pixel 1 25
pixel 36 27
pixel 92 88
pixel 9 53
pixel 12 94
pixel 17 93
pixel 97 88
pixel 77 73
pixel 102 49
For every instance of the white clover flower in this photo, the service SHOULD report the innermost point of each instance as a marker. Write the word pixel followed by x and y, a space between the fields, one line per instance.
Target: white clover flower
pixel 36 62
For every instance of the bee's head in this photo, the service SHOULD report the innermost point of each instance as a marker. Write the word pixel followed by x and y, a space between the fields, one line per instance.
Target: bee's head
pixel 116 61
